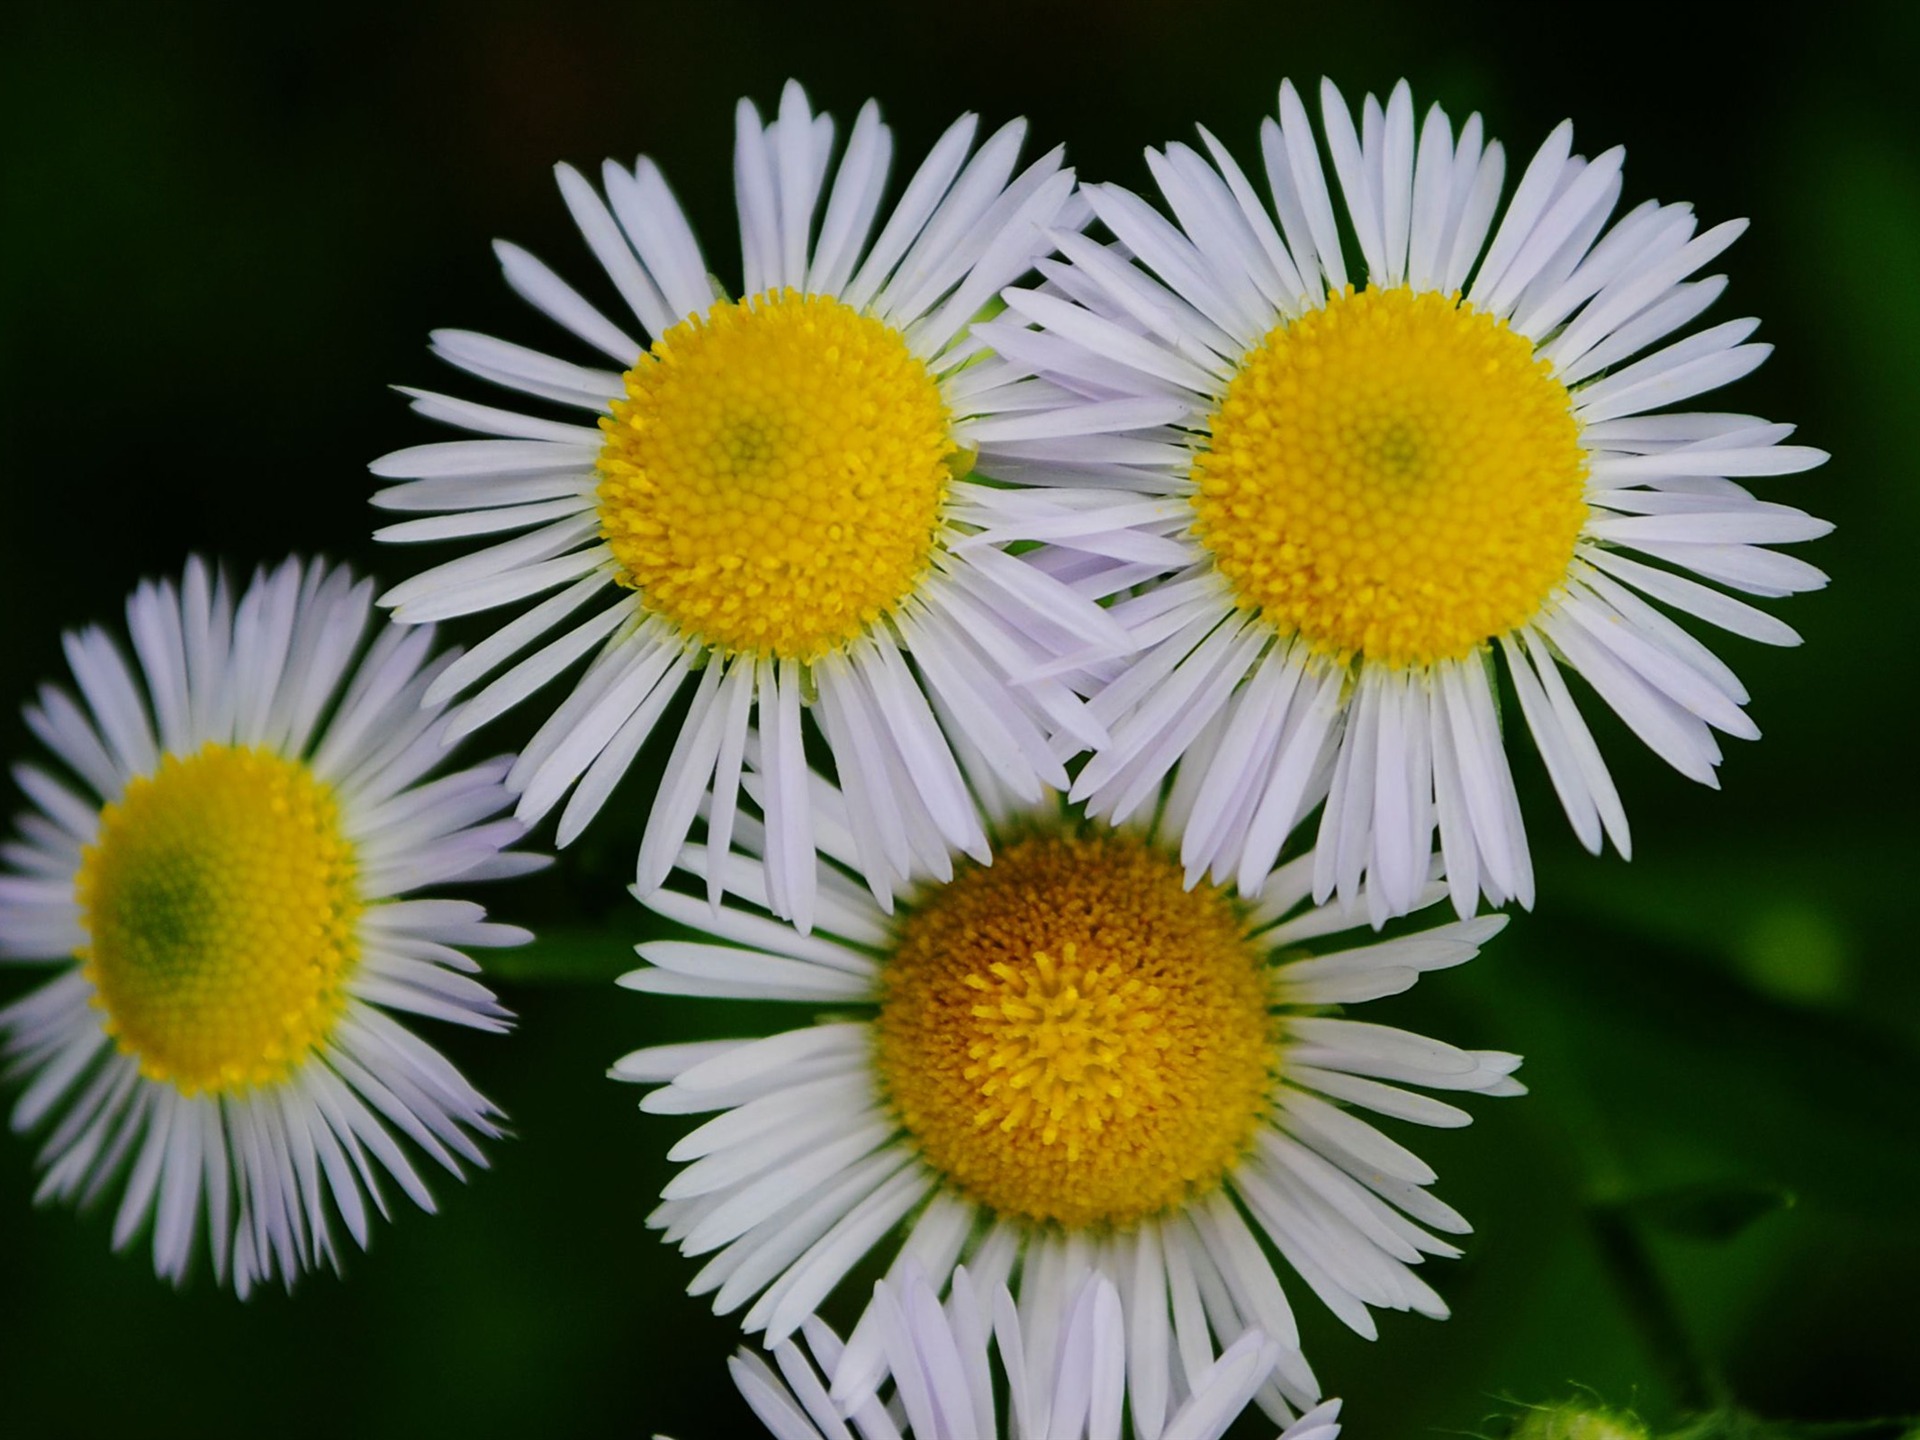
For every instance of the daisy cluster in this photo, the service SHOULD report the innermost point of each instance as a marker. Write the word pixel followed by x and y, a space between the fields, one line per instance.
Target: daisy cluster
pixel 1073 629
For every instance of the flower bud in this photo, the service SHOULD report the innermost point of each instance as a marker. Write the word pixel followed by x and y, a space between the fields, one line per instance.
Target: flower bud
pixel 1571 1421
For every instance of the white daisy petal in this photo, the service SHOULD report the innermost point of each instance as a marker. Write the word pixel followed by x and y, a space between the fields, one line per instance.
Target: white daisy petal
pixel 950 243
pixel 1635 290
pixel 1698 600
pixel 1179 264
pixel 560 302
pixel 1300 190
pixel 490 420
pixel 525 370
pixel 1648 230
pixel 1576 214
pixel 623 682
pixel 1476 200
pixel 1344 143
pixel 60 724
pixel 853 204
pixel 909 217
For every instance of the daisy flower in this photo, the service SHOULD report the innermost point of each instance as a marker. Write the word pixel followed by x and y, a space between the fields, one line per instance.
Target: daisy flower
pixel 1385 494
pixel 217 864
pixel 1067 1060
pixel 1066 1385
pixel 772 502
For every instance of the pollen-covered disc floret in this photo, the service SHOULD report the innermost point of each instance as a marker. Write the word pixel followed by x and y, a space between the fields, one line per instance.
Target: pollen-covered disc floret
pixel 1071 1035
pixel 220 909
pixel 1396 475
pixel 773 480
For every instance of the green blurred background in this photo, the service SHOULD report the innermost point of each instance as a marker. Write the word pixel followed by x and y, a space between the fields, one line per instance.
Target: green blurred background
pixel 227 229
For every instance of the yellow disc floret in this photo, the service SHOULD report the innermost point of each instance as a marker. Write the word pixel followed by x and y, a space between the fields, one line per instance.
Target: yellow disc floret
pixel 1396 476
pixel 773 481
pixel 221 912
pixel 1071 1035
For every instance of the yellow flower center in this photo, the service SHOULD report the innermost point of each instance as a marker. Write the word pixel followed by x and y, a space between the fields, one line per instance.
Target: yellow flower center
pixel 1071 1035
pixel 1395 476
pixel 220 908
pixel 773 481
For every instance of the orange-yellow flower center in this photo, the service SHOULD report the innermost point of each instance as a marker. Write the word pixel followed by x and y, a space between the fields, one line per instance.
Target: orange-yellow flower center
pixel 1071 1035
pixel 1396 476
pixel 774 479
pixel 221 912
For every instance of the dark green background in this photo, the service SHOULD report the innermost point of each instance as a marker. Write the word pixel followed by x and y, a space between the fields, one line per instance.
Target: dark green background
pixel 227 229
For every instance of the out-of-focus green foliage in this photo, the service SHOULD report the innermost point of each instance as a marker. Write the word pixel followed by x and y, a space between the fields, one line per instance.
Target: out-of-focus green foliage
pixel 229 228
pixel 1711 1210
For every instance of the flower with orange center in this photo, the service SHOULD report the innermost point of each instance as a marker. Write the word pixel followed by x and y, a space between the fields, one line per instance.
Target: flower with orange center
pixel 1066 1057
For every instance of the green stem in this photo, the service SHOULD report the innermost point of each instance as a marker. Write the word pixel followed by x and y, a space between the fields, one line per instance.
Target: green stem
pixel 1696 1384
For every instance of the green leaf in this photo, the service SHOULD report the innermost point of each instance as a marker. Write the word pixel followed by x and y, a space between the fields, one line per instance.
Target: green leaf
pixel 1717 1210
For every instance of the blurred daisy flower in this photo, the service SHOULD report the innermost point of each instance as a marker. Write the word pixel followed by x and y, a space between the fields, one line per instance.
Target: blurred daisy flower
pixel 1378 490
pixel 1066 1059
pixel 1064 1383
pixel 772 502
pixel 218 865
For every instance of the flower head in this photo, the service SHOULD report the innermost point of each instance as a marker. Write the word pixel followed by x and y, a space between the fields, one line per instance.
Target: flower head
pixel 1064 1062
pixel 772 502
pixel 228 871
pixel 1068 1382
pixel 1389 485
